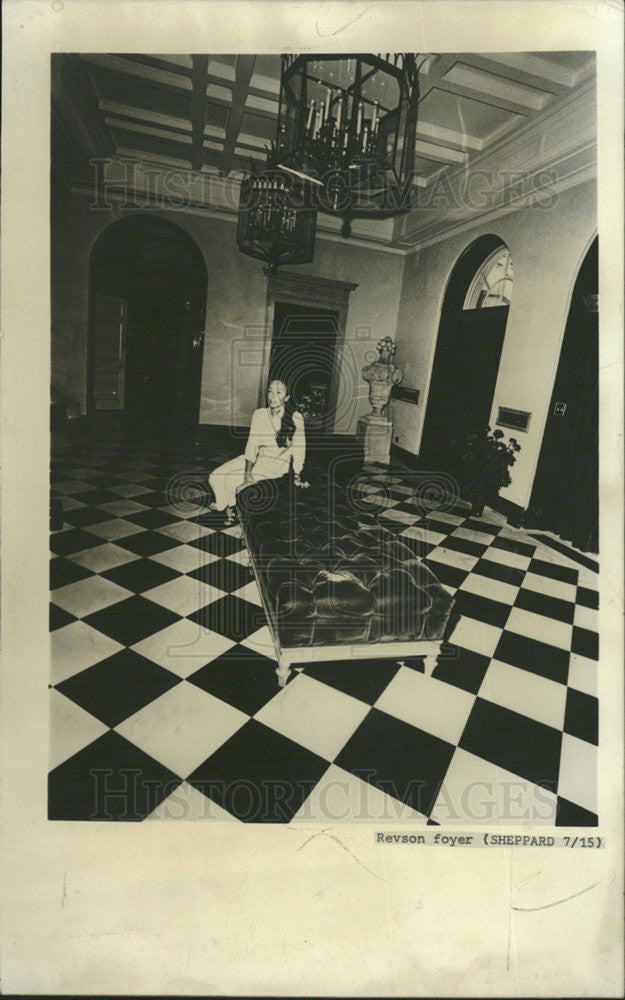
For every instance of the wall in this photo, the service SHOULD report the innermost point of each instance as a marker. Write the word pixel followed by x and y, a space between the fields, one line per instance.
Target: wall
pixel 235 310
pixel 547 246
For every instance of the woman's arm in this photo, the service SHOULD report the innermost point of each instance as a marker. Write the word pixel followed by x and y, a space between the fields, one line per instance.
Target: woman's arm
pixel 253 443
pixel 298 444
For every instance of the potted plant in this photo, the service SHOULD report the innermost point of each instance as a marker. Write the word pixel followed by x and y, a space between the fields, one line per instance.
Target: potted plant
pixel 484 464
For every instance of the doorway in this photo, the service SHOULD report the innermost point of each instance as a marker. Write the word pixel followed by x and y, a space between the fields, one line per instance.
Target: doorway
pixel 303 356
pixel 565 495
pixel 148 299
pixel 468 350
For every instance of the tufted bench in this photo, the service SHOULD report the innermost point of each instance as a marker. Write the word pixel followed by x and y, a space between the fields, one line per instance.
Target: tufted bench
pixel 334 582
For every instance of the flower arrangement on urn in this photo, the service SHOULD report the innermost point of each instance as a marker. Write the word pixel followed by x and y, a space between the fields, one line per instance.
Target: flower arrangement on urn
pixel 382 375
pixel 375 429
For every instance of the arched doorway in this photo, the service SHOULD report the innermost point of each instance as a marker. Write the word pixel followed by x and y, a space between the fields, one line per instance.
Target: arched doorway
pixel 565 495
pixel 147 309
pixel 468 349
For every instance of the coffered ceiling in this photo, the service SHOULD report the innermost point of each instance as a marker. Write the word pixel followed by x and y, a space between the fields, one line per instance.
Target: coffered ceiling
pixel 215 114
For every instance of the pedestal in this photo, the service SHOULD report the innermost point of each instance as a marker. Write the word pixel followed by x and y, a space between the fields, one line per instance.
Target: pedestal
pixel 375 434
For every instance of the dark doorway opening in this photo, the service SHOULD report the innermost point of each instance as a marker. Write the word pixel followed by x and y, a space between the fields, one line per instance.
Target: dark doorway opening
pixel 565 495
pixel 466 363
pixel 148 299
pixel 303 355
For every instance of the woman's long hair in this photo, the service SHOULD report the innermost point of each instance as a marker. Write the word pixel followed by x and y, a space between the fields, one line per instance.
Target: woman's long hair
pixel 284 436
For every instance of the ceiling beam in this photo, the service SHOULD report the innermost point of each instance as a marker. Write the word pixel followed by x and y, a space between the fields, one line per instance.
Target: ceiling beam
pixel 199 76
pixel 243 75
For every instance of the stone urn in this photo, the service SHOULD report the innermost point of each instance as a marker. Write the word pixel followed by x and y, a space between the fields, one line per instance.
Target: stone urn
pixel 382 375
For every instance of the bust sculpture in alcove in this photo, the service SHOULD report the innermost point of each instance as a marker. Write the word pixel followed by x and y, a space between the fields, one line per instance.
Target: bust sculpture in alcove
pixel 375 430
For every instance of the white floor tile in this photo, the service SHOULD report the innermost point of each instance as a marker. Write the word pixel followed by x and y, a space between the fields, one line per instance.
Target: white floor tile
pixel 475 791
pixel 540 627
pixel 450 557
pixel 342 797
pixel 586 618
pixel 443 515
pixel 525 693
pixel 250 593
pixel 116 528
pixel 423 534
pixel 261 642
pixel 185 531
pixel 186 803
pixel 68 486
pixel 184 558
pixel 242 557
pixel 185 509
pixel 183 647
pixel 120 508
pixel 586 578
pixel 402 516
pixel 583 675
pixel 473 536
pixel 88 596
pixel 128 489
pixel 437 708
pixel 552 588
pixel 494 590
pixel 71 728
pixel 315 715
pixel 505 558
pixel 183 727
pixel 578 772
pixel 70 503
pixel 76 647
pixel 184 595
pixel 476 636
pixel 102 557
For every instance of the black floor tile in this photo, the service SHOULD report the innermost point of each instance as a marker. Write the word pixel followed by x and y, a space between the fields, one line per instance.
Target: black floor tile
pixel 554 572
pixel 403 761
pixel 450 576
pixel 225 574
pixel 543 604
pixel 240 676
pixel 64 543
pixel 119 686
pixel 489 529
pixel 569 552
pixel 461 667
pixel 82 517
pixel 131 620
pixel 140 575
pixel 497 571
pixel 512 545
pixel 570 814
pixel 148 543
pixel 514 742
pixel 219 544
pixel 362 679
pixel 111 779
pixel 96 497
pixel 465 545
pixel 259 776
pixel 153 518
pixel 231 616
pixel 59 617
pixel 63 572
pixel 482 609
pixel 588 598
pixel 536 657
pixel 417 547
pixel 582 716
pixel 585 643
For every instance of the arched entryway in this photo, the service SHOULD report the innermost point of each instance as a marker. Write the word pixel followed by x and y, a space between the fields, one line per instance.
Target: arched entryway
pixel 148 286
pixel 565 495
pixel 468 349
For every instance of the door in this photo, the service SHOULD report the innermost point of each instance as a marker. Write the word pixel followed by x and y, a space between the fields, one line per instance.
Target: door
pixel 303 353
pixel 110 320
pixel 466 364
pixel 565 495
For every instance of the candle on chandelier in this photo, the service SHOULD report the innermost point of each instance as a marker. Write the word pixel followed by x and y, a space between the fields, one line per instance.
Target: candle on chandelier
pixel 327 111
pixel 339 112
pixel 359 120
pixel 311 115
pixel 374 119
pixel 365 137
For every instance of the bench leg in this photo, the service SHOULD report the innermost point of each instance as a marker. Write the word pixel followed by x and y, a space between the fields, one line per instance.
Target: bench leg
pixel 284 669
pixel 429 662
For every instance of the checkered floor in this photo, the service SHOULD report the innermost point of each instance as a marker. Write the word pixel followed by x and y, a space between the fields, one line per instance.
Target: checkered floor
pixel 165 704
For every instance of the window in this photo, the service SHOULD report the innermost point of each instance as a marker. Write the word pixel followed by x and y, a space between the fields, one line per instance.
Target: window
pixel 492 285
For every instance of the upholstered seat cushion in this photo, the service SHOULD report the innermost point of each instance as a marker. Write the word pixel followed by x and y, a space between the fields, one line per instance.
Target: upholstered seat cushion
pixel 331 573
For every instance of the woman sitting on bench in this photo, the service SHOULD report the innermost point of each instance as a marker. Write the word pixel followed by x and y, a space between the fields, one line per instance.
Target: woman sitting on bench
pixel 276 440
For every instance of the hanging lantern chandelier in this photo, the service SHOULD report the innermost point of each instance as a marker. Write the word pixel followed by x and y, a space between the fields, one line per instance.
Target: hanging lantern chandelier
pixel 277 220
pixel 347 129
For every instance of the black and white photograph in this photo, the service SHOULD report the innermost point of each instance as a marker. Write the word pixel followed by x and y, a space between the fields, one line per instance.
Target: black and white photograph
pixel 324 406
pixel 317 491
